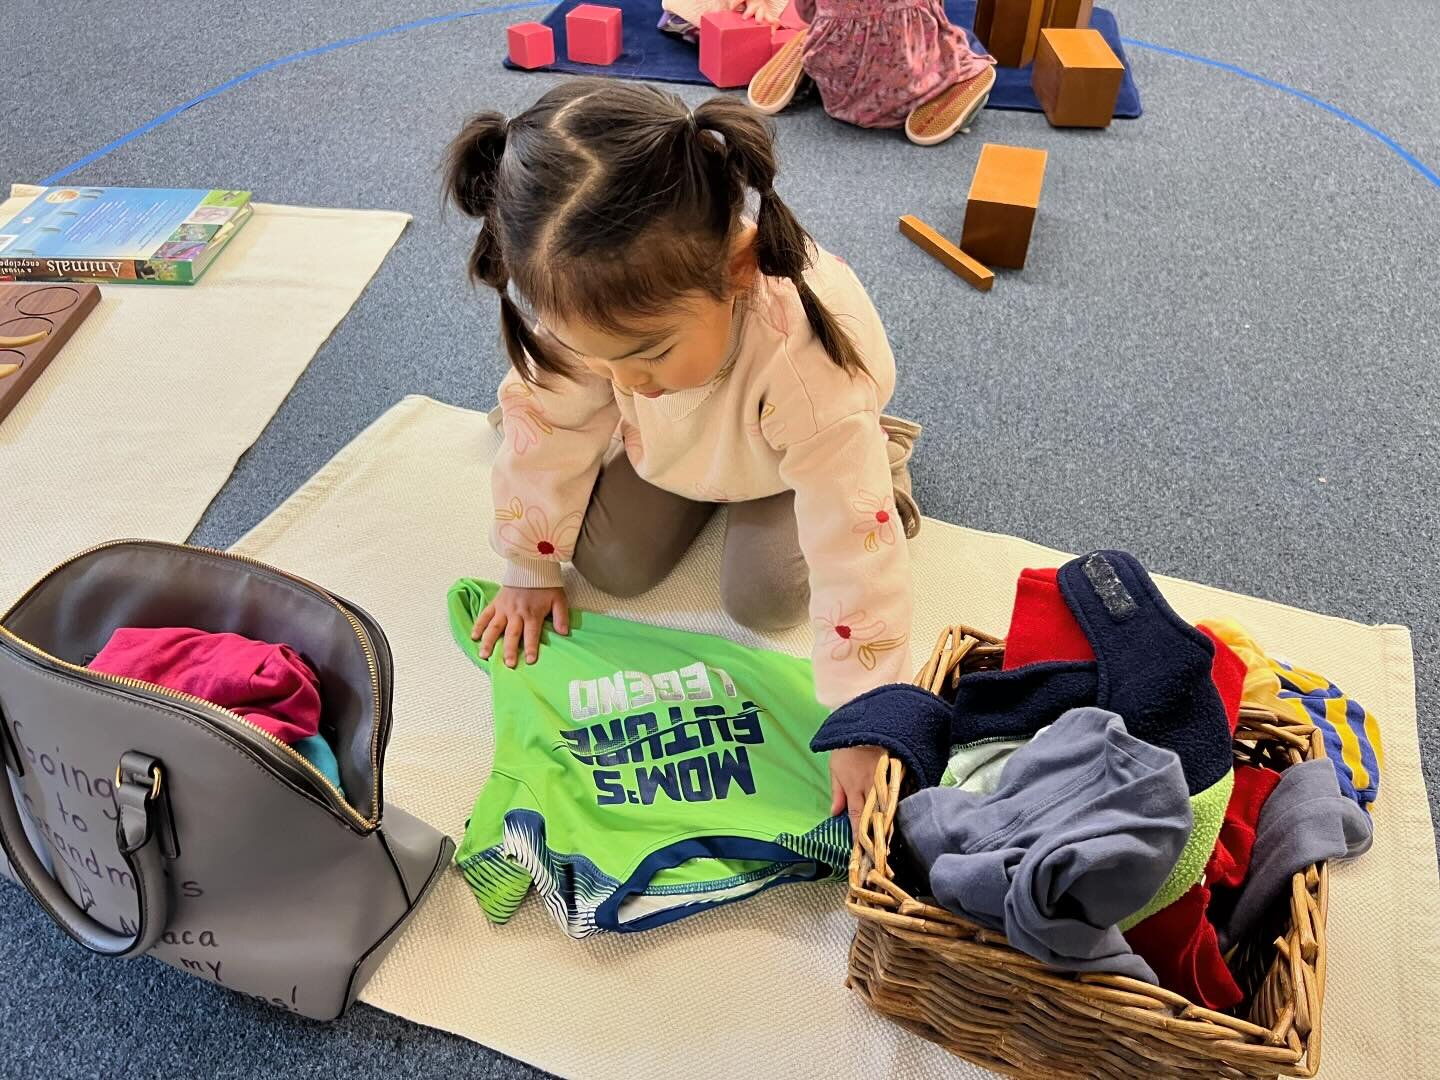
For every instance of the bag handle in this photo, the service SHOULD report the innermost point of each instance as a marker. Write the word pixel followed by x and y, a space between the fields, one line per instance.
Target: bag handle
pixel 142 820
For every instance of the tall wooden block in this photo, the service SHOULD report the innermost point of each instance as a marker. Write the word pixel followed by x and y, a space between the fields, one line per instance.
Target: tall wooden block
pixel 1009 29
pixel 1077 78
pixel 1004 195
pixel 1067 14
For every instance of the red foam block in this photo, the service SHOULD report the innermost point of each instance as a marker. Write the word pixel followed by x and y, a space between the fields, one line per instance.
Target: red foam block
pixel 779 36
pixel 732 48
pixel 531 45
pixel 592 34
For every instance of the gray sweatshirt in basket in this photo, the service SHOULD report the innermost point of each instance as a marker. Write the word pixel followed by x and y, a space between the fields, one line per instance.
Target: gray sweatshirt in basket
pixel 1084 828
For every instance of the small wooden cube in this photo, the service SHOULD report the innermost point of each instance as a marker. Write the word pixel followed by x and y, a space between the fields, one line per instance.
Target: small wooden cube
pixel 1004 196
pixel 732 48
pixel 1067 14
pixel 1077 78
pixel 592 34
pixel 531 45
pixel 1009 29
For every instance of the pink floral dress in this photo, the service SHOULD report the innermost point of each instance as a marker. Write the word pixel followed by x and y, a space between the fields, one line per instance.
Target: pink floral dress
pixel 875 61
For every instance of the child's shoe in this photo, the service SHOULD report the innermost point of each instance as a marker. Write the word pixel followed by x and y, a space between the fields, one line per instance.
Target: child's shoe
pixel 952 111
pixel 774 85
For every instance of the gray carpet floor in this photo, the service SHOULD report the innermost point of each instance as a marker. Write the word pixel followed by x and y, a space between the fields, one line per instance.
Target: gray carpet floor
pixel 1221 356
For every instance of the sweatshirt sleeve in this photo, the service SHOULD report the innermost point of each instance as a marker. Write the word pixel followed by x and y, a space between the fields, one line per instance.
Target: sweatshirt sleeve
pixel 854 545
pixel 555 438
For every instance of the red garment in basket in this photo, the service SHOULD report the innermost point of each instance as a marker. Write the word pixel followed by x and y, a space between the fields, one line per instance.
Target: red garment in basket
pixel 270 685
pixel 1042 628
pixel 1180 946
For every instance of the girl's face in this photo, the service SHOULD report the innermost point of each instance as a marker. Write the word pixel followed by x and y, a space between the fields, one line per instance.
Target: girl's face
pixel 679 350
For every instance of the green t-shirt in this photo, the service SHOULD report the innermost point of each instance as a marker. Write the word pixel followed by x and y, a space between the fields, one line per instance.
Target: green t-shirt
pixel 643 774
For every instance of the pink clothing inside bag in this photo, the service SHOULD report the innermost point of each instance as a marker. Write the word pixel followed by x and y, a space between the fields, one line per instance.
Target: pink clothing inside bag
pixel 270 685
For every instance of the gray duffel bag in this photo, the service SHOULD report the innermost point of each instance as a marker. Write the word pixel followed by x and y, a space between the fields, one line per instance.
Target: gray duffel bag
pixel 146 821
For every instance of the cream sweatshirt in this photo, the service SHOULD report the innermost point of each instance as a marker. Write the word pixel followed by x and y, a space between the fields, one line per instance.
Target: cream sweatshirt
pixel 779 415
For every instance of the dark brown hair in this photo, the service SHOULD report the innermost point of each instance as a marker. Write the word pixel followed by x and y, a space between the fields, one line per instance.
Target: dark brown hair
pixel 606 201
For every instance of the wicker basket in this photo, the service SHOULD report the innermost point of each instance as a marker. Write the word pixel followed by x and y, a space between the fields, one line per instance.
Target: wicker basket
pixel 960 985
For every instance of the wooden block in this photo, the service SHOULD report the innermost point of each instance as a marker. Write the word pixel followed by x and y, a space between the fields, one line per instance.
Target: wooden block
pixel 932 243
pixel 531 45
pixel 1009 29
pixel 1004 196
pixel 35 323
pixel 1067 14
pixel 1076 78
pixel 593 34
pixel 732 48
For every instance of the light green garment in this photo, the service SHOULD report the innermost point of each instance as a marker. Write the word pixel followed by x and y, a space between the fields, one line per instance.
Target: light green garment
pixel 644 774
pixel 976 766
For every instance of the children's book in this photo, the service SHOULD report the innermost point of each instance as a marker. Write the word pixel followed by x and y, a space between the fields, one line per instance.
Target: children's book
pixel 163 236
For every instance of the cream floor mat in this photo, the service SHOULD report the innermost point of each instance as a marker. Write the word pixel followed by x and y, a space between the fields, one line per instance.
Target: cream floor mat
pixel 139 421
pixel 755 989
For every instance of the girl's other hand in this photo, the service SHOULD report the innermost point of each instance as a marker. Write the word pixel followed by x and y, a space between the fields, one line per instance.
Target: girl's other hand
pixel 852 774
pixel 759 10
pixel 517 615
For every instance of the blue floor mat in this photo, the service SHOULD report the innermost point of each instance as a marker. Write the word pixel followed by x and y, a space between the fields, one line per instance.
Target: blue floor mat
pixel 659 57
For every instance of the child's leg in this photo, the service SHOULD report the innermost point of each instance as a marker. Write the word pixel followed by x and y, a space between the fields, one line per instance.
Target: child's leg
pixel 764 580
pixel 634 532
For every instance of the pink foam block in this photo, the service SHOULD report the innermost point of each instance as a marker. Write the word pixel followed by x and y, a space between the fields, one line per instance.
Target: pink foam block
pixel 531 45
pixel 592 34
pixel 790 18
pixel 732 48
pixel 779 36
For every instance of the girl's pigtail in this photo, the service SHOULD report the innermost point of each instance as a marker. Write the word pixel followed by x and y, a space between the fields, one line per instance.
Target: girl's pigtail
pixel 783 249
pixel 472 171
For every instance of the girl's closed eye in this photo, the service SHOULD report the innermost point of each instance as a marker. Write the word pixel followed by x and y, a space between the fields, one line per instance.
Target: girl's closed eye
pixel 659 358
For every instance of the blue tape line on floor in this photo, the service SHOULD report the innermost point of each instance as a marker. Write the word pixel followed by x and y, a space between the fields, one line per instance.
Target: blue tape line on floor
pixel 319 50
pixel 1400 151
pixel 1369 129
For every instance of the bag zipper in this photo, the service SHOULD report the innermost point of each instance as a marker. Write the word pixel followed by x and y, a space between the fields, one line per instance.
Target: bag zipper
pixel 190 699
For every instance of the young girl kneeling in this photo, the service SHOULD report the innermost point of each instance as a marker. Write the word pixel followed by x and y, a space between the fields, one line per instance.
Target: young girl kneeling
pixel 733 361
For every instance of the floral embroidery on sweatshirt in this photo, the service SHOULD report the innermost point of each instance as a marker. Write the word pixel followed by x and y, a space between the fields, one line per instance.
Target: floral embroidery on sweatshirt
pixel 525 420
pixel 877 519
pixel 527 533
pixel 848 634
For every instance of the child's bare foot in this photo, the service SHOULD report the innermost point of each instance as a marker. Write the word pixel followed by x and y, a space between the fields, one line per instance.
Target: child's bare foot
pixel 952 111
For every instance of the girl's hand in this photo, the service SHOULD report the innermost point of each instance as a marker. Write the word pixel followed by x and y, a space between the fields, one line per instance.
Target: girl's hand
pixel 852 774
pixel 517 614
pixel 758 10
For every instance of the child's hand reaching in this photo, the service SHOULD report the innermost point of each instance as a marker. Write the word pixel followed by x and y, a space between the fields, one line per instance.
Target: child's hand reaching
pixel 852 774
pixel 759 10
pixel 518 614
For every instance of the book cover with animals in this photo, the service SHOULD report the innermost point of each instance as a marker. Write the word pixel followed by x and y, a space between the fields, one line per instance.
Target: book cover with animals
pixel 164 236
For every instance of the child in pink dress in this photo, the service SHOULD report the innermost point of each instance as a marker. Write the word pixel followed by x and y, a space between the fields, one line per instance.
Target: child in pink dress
pixel 879 63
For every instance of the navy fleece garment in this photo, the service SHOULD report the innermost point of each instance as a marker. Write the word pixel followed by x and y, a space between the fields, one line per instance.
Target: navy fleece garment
pixel 1084 828
pixel 1153 667
pixel 1305 820
pixel 913 724
pixel 1150 666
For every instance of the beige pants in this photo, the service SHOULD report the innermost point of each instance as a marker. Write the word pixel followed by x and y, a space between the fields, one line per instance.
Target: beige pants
pixel 635 533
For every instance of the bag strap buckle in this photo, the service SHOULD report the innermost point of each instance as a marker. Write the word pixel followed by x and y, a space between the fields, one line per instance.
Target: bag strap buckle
pixel 157 780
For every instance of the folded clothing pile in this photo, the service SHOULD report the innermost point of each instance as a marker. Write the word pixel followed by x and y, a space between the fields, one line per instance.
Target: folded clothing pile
pixel 271 686
pixel 1084 799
